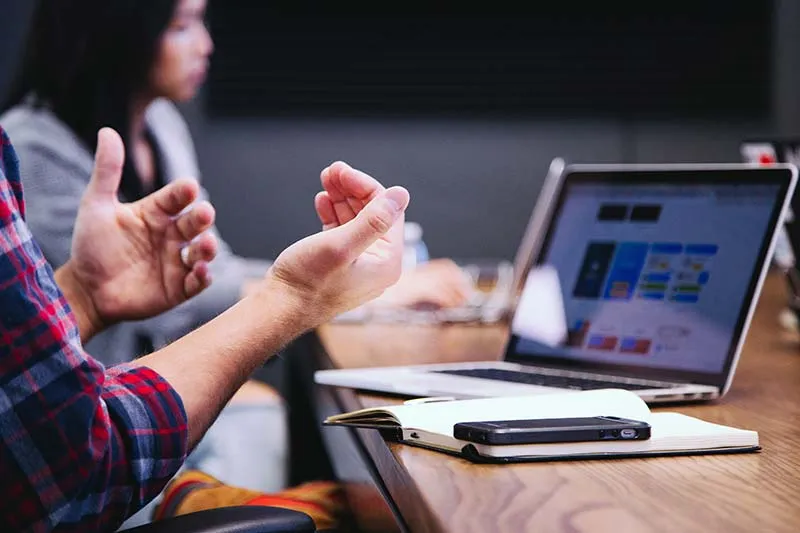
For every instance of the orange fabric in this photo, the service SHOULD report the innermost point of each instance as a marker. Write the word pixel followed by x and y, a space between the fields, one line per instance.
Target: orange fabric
pixel 195 491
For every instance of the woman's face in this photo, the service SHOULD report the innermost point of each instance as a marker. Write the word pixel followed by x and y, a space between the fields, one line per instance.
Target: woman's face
pixel 182 57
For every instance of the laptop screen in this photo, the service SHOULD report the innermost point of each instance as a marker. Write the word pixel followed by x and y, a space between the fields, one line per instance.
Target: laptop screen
pixel 657 270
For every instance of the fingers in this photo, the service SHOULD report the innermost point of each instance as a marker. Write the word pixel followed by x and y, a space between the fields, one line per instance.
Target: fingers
pixel 455 295
pixel 171 199
pixel 456 284
pixel 374 222
pixel 197 280
pixel 202 249
pixel 325 210
pixel 431 285
pixel 344 211
pixel 343 181
pixel 450 292
pixel 196 221
pixel 108 160
pixel 196 257
pixel 348 189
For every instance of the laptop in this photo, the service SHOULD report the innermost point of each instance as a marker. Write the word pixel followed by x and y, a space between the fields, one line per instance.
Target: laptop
pixel 659 268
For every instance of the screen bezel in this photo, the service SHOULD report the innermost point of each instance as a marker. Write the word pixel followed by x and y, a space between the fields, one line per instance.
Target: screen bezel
pixel 700 176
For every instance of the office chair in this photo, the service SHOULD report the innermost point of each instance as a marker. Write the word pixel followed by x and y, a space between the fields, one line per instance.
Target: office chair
pixel 240 519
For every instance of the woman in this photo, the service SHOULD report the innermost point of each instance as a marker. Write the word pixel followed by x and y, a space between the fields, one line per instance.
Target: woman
pixel 95 63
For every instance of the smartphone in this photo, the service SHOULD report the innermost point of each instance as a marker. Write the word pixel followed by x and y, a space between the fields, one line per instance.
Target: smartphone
pixel 552 430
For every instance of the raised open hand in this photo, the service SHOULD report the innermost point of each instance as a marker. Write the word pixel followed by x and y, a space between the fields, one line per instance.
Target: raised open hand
pixel 127 258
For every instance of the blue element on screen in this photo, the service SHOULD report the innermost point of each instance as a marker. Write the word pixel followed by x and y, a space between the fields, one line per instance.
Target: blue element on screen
pixel 625 270
pixel 685 298
pixel 652 295
pixel 671 248
pixel 701 249
pixel 657 277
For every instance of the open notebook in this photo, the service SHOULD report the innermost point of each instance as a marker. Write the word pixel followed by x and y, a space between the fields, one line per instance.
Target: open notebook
pixel 430 424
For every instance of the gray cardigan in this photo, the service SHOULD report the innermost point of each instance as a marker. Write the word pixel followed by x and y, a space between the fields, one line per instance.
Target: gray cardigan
pixel 55 168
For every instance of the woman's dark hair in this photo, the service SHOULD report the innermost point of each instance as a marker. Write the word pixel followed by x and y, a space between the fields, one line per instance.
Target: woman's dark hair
pixel 86 60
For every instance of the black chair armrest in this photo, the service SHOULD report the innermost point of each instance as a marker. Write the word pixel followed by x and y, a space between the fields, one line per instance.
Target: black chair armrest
pixel 241 519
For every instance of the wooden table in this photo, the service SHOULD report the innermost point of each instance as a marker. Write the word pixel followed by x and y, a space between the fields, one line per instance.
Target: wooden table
pixel 433 492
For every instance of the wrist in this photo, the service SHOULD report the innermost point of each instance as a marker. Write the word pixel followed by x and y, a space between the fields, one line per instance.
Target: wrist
pixel 297 312
pixel 80 301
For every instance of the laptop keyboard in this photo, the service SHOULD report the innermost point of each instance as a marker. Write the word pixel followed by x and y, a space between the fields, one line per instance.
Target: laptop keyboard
pixel 549 380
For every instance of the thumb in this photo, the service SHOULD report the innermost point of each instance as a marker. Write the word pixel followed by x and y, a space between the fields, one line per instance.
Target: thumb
pixel 108 161
pixel 374 221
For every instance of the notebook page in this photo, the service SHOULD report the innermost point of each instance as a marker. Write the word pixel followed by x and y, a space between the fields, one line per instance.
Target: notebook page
pixel 671 432
pixel 677 431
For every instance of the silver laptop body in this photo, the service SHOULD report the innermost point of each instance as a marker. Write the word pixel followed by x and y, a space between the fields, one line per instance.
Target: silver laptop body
pixel 658 272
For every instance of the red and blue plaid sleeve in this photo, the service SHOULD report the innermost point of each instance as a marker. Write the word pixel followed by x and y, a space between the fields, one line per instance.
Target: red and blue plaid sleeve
pixel 81 448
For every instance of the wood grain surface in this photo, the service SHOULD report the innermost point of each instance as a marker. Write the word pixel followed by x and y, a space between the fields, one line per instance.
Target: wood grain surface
pixel 748 493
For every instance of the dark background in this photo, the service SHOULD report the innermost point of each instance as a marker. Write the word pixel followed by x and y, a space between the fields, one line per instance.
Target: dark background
pixel 631 59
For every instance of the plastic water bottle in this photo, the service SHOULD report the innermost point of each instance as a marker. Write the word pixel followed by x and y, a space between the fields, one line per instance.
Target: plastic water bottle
pixel 415 251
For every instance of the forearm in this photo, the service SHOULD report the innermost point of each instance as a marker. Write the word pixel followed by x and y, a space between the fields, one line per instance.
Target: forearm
pixel 89 321
pixel 208 365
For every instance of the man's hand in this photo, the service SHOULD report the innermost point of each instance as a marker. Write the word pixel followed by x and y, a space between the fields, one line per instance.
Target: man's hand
pixel 356 257
pixel 437 284
pixel 127 260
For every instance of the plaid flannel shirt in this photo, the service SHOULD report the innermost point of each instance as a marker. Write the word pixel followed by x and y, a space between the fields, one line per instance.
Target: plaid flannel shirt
pixel 81 447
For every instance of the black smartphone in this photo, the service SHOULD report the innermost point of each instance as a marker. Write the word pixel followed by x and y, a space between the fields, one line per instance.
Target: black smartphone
pixel 551 430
